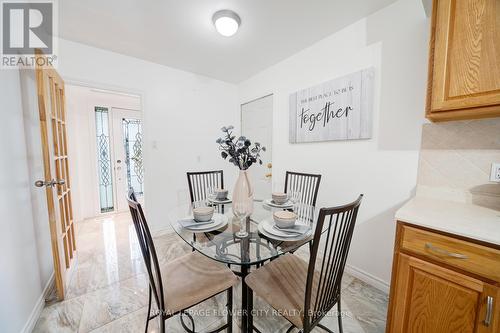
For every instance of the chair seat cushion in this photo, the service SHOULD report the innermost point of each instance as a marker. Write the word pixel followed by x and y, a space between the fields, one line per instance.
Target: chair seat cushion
pixel 191 279
pixel 282 284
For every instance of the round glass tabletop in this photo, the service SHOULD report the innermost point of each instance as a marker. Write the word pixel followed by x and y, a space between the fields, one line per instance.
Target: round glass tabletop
pixel 221 242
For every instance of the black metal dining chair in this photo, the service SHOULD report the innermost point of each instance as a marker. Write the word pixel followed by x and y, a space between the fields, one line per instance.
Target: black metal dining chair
pixel 183 282
pixel 199 181
pixel 304 292
pixel 305 183
pixel 308 186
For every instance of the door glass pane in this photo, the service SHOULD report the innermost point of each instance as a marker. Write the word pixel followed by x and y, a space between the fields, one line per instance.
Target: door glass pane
pixel 104 159
pixel 132 134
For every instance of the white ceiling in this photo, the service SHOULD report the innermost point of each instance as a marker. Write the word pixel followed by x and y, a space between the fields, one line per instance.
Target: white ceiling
pixel 180 34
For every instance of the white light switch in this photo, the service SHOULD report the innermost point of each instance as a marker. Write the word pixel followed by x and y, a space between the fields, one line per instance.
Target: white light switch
pixel 495 172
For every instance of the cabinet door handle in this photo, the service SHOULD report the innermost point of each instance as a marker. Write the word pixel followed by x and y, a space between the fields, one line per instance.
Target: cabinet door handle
pixel 489 311
pixel 444 252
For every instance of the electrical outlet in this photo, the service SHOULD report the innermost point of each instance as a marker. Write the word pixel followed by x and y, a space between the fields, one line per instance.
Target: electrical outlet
pixel 495 172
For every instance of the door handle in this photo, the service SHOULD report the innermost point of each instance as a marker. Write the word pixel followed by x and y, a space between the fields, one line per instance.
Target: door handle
pixel 269 175
pixel 52 183
pixel 489 311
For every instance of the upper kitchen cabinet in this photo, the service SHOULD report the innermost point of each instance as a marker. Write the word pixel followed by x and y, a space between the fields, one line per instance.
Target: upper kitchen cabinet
pixel 464 63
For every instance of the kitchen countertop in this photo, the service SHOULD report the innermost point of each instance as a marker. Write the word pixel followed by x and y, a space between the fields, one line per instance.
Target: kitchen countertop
pixel 457 218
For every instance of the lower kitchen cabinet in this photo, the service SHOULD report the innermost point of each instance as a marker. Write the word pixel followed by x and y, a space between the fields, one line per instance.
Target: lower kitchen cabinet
pixel 429 294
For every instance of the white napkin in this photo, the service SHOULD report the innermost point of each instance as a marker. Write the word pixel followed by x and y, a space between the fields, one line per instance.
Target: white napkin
pixel 189 222
pixel 297 228
pixel 269 227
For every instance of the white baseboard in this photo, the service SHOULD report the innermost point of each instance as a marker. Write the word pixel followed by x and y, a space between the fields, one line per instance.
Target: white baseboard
pixel 37 309
pixel 368 278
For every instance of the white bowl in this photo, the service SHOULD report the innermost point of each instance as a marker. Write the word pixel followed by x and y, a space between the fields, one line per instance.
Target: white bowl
pixel 203 214
pixel 284 219
pixel 221 194
pixel 279 197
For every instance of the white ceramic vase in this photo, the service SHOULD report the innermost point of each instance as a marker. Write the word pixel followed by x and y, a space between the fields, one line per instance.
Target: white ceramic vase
pixel 243 192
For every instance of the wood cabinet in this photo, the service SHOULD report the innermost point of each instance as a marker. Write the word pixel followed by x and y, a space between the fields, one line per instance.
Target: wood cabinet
pixel 443 284
pixel 464 60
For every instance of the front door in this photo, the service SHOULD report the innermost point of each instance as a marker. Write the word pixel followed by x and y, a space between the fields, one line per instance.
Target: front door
pixel 127 147
pixel 257 125
pixel 119 157
pixel 56 182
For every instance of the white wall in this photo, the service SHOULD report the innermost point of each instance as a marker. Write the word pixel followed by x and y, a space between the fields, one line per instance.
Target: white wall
pixel 31 117
pixel 20 281
pixel 384 168
pixel 183 113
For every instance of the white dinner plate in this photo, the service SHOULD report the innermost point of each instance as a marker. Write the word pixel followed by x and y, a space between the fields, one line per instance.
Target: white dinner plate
pixel 266 228
pixel 219 222
pixel 271 203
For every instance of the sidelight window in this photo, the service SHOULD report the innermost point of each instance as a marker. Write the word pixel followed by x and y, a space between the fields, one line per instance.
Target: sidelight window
pixel 104 159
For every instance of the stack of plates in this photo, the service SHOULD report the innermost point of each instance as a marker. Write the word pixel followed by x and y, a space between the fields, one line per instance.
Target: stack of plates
pixel 298 232
pixel 271 203
pixel 217 221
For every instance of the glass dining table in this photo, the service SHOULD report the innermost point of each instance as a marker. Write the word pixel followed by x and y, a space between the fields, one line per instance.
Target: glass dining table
pixel 222 244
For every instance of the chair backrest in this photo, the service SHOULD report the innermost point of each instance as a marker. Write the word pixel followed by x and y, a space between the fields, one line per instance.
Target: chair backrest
pixel 333 235
pixel 147 249
pixel 306 183
pixel 199 181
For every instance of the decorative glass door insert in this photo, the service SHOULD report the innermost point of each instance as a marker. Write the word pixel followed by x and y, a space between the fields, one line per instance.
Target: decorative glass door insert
pixel 132 133
pixel 104 165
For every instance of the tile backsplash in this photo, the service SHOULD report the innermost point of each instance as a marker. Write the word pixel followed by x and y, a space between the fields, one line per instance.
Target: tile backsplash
pixel 455 161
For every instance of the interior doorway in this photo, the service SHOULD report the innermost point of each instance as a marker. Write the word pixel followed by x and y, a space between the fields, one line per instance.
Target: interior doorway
pixel 108 128
pixel 257 124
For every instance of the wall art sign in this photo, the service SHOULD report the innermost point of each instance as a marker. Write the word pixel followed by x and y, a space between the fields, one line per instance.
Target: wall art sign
pixel 340 109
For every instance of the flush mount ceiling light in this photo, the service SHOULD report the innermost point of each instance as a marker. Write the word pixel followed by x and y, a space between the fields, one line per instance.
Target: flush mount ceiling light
pixel 226 22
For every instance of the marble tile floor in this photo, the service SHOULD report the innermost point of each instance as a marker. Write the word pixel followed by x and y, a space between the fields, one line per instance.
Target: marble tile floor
pixel 108 290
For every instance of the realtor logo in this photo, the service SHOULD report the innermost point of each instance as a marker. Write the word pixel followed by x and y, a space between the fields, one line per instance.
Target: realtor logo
pixel 27 27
